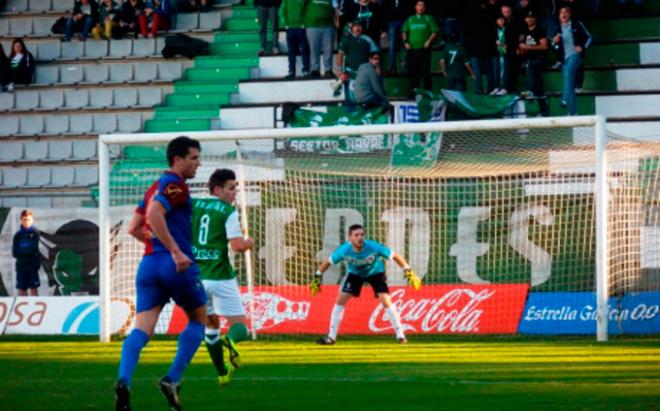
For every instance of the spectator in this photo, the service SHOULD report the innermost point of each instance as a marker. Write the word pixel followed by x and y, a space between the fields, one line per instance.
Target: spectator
pixel 128 19
pixel 320 22
pixel 512 33
pixel 25 249
pixel 156 16
pixel 107 12
pixel 5 72
pixel 369 88
pixel 296 38
pixel 370 14
pixel 532 47
pixel 419 31
pixel 396 12
pixel 572 39
pixel 267 11
pixel 354 50
pixel 454 63
pixel 501 61
pixel 480 45
pixel 21 64
pixel 84 18
pixel 192 6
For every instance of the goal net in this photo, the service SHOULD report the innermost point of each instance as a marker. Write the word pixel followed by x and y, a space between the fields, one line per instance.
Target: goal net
pixel 516 227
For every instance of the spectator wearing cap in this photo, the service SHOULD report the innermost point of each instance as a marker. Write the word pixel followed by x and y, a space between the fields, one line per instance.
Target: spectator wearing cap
pixel 267 14
pixel 320 20
pixel 354 50
pixel 291 13
pixel 572 40
pixel 84 17
pixel 370 14
pixel 532 47
pixel 396 12
pixel 419 32
pixel 455 63
pixel 369 87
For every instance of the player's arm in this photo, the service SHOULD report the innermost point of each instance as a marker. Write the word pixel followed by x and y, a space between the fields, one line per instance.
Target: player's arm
pixel 237 241
pixel 240 244
pixel 411 277
pixel 135 226
pixel 156 220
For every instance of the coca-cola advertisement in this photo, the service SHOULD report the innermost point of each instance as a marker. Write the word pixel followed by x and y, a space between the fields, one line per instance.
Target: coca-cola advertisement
pixel 435 309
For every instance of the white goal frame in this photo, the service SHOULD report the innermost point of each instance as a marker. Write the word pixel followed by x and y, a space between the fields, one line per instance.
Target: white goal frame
pixel 601 188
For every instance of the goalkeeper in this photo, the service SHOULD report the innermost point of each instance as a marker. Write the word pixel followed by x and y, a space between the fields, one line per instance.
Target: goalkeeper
pixel 216 229
pixel 364 260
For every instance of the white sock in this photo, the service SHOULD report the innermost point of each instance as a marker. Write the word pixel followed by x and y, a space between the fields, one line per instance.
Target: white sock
pixel 211 335
pixel 335 320
pixel 395 320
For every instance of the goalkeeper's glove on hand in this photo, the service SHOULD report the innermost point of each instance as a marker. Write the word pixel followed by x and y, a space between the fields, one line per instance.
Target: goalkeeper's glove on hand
pixel 412 278
pixel 315 285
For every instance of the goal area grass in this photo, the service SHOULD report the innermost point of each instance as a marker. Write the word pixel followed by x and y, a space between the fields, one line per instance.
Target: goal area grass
pixel 355 374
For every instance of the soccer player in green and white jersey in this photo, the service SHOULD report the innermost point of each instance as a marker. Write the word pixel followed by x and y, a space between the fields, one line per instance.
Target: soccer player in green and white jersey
pixel 215 229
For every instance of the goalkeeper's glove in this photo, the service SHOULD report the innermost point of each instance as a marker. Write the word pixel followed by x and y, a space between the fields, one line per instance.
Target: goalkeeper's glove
pixel 412 278
pixel 315 285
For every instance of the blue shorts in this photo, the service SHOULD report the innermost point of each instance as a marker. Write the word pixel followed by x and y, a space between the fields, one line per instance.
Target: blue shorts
pixel 27 279
pixel 157 281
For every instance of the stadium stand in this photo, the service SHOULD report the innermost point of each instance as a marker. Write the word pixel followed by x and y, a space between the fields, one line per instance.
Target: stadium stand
pixel 81 89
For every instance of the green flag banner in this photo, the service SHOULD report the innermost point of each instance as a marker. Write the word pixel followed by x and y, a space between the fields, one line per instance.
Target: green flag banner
pixel 474 105
pixel 416 150
pixel 339 144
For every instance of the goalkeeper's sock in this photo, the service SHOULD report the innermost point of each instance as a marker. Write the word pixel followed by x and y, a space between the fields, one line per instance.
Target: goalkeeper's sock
pixel 238 332
pixel 189 342
pixel 214 347
pixel 130 354
pixel 395 320
pixel 335 320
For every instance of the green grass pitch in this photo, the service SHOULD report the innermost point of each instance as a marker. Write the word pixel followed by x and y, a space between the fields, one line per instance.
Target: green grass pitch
pixel 364 374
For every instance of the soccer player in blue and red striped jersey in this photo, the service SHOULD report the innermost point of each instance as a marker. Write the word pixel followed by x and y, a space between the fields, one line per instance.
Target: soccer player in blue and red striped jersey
pixel 162 221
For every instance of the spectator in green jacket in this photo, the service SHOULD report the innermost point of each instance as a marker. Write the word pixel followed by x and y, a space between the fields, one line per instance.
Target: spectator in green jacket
pixel 267 12
pixel 419 32
pixel 321 20
pixel 296 38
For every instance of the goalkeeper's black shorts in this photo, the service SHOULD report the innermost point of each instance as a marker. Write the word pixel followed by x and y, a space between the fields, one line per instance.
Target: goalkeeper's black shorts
pixel 352 284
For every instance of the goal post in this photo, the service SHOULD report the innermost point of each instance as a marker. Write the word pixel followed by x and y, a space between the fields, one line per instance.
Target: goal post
pixel 518 209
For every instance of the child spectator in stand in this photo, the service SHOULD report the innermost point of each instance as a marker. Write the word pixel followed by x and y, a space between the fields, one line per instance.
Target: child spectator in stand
pixel 21 65
pixel 128 19
pixel 156 17
pixel 107 12
pixel 5 74
pixel 454 63
pixel 84 17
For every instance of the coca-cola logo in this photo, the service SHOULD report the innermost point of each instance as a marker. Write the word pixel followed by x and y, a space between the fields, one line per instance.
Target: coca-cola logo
pixel 269 310
pixel 456 311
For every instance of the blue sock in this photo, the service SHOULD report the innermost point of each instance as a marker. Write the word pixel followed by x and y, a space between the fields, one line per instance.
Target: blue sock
pixel 130 353
pixel 189 342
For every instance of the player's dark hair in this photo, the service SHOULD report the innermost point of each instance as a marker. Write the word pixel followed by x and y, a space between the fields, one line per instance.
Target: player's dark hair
pixel 26 213
pixel 374 54
pixel 354 227
pixel 567 7
pixel 219 177
pixel 179 147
